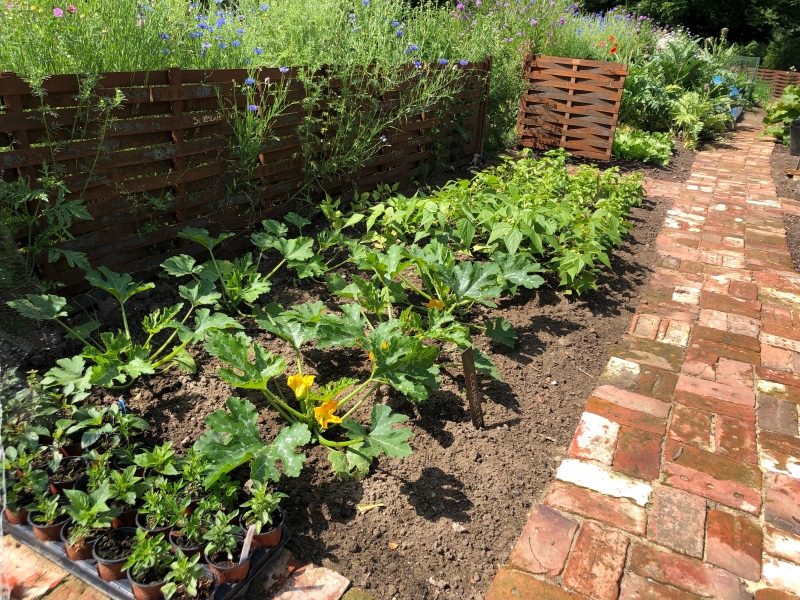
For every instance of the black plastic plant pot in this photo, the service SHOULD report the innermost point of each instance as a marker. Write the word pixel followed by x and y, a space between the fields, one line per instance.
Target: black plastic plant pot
pixel 57 486
pixel 141 524
pixel 47 533
pixel 214 584
pixel 231 573
pixel 126 518
pixel 187 550
pixel 112 569
pixel 143 591
pixel 81 550
pixel 271 538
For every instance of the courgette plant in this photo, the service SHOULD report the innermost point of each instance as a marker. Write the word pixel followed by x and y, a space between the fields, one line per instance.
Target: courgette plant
pixel 240 282
pixel 118 361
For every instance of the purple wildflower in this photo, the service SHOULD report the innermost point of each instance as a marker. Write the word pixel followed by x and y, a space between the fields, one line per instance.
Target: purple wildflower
pixel 236 43
pixel 223 45
pixel 252 107
pixel 240 31
pixel 58 13
pixel 258 51
pixel 443 61
pixel 249 81
pixel 413 47
pixel 283 69
pixel 399 32
pixel 463 63
pixel 206 45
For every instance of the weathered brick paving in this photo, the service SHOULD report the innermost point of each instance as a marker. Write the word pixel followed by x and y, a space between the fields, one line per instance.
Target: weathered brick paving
pixel 683 478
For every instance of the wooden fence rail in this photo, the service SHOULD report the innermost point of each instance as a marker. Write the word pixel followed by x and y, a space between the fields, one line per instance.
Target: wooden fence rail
pixel 161 161
pixel 778 80
pixel 572 104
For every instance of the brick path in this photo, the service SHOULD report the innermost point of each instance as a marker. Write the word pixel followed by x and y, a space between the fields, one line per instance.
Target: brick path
pixel 683 478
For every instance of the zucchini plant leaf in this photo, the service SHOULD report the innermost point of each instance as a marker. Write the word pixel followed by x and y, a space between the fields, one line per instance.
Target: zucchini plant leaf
pixel 233 439
pixel 184 361
pixel 474 281
pixel 403 362
pixel 341 330
pixel 200 236
pixel 519 270
pixel 84 330
pixel 350 463
pixel 485 365
pixel 41 308
pixel 501 331
pixel 204 322
pixel 200 292
pixel 295 249
pixel 235 350
pixel 180 266
pixel 122 287
pixel 71 374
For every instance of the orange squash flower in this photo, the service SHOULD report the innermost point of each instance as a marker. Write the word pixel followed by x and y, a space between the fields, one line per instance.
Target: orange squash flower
pixel 324 414
pixel 434 303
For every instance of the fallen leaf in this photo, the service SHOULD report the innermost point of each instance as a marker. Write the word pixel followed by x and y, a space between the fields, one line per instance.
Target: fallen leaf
pixel 393 546
pixel 362 508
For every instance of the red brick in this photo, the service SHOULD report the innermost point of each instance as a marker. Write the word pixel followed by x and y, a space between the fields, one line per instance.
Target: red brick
pixel 718 391
pixel 686 573
pixel 782 544
pixel 648 352
pixel 544 544
pixel 678 520
pixel 714 476
pixel 709 352
pixel 734 543
pixel 780 442
pixel 595 565
pixel 734 373
pixel 779 376
pixel 626 416
pixel 782 502
pixel 516 585
pixel 617 512
pixel 595 439
pixel 728 304
pixel 635 587
pixel 656 383
pixel 745 291
pixel 736 438
pixel 768 594
pixel 312 583
pixel 721 407
pixel 638 453
pixel 778 316
pixel 763 278
pixel 691 426
pixel 25 573
pixel 783 330
pixel 776 358
pixel 777 415
pixel 627 399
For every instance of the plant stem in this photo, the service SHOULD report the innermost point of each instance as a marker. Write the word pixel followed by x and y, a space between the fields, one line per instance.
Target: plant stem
pixel 356 391
pixel 415 288
pixel 270 396
pixel 359 403
pixel 331 444
pixel 73 332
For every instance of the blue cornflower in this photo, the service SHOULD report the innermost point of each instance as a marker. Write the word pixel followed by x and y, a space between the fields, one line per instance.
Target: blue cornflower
pixel 163 36
pixel 221 21
pixel 399 32
pixel 249 81
pixel 463 63
pixel 258 51
pixel 283 69
pixel 264 7
pixel 395 24
pixel 413 47
pixel 196 34
pixel 219 13
pixel 365 2
pixel 206 44
pixel 240 31
pixel 236 43
pixel 252 107
pixel 223 45
pixel 193 5
pixel 165 51
pixel 417 64
pixel 443 61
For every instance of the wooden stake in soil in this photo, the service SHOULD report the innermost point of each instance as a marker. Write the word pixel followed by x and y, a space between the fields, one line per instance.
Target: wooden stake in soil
pixel 473 391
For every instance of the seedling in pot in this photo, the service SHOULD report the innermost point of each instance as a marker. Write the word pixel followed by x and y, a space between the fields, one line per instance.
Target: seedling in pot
pixel 160 509
pixel 90 514
pixel 150 558
pixel 189 531
pixel 161 460
pixel 46 510
pixel 27 411
pixel 126 424
pixel 126 488
pixel 261 507
pixel 185 577
pixel 100 469
pixel 222 538
pixel 28 483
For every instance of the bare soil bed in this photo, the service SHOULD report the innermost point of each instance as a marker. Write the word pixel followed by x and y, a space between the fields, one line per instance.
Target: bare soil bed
pixel 788 188
pixel 453 509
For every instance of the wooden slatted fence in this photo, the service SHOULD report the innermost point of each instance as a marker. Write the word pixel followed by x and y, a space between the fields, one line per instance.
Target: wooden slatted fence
pixel 571 104
pixel 162 163
pixel 778 80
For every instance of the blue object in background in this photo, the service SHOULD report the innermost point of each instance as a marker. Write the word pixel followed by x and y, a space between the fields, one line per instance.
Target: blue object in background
pixel 737 111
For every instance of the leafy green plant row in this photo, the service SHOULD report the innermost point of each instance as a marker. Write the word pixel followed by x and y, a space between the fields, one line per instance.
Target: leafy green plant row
pixel 635 144
pixel 782 112
pixel 410 282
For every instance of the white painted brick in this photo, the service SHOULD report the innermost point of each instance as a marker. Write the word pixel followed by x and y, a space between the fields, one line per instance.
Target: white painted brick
pixel 781 574
pixel 595 439
pixel 603 481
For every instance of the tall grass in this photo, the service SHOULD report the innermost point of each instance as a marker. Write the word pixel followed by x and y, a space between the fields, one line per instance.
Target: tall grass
pixel 92 36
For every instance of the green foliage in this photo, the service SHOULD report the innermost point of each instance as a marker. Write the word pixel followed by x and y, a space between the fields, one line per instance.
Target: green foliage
pixel 781 113
pixel 221 535
pixel 635 144
pixel 118 359
pixel 185 572
pixel 261 505
pixel 700 118
pixel 89 512
pixel 126 487
pixel 148 553
pixel 47 509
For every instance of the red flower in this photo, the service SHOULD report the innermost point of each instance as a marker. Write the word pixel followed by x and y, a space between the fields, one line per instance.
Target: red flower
pixel 611 38
pixel 613 50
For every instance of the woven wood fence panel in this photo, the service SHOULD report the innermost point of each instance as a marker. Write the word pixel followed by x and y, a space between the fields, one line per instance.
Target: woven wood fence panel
pixel 779 80
pixel 169 141
pixel 571 104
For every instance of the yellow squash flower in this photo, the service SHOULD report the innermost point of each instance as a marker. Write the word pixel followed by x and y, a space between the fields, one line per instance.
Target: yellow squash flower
pixel 434 303
pixel 384 345
pixel 371 356
pixel 324 414
pixel 300 384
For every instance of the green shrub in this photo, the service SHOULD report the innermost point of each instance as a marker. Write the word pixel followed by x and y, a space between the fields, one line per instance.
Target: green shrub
pixel 700 118
pixel 780 114
pixel 635 144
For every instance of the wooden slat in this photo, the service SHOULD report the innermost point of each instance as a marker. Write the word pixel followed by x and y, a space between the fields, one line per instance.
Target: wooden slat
pixel 572 104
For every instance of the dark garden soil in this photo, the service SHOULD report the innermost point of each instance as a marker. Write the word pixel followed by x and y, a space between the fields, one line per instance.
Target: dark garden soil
pixel 204 587
pixel 69 470
pixel 115 544
pixel 452 511
pixel 788 188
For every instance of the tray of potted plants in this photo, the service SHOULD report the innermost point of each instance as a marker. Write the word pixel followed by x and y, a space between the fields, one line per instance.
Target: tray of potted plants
pixel 145 531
